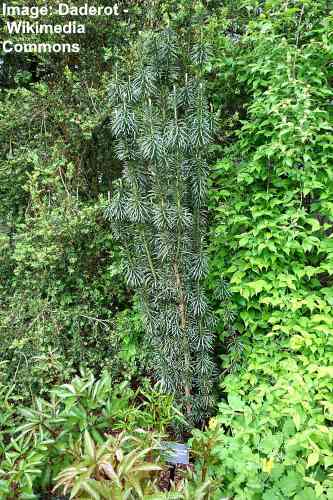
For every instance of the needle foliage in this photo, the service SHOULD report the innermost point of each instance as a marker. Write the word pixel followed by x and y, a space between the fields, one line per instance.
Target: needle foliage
pixel 163 127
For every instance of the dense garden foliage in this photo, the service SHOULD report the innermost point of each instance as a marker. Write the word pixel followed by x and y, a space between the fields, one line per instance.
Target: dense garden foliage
pixel 166 256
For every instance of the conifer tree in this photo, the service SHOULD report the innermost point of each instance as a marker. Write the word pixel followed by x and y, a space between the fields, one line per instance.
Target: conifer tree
pixel 162 128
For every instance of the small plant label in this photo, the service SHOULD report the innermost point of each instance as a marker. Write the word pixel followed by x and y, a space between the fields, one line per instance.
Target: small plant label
pixel 176 453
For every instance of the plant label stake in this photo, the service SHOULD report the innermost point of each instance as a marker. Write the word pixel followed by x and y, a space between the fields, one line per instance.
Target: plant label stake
pixel 176 453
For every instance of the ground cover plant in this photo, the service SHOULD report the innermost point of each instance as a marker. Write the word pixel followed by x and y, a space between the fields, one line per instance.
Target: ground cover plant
pixel 191 141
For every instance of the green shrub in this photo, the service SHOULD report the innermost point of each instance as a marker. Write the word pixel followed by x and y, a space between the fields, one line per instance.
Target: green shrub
pixel 163 127
pixel 273 436
pixel 68 290
pixel 272 242
pixel 39 441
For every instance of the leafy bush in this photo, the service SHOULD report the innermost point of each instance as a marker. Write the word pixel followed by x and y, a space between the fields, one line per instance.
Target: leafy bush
pixel 273 436
pixel 128 467
pixel 37 442
pixel 119 468
pixel 272 241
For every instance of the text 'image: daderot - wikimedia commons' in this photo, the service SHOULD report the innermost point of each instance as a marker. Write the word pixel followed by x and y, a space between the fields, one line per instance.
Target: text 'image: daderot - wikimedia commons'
pixel 27 22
